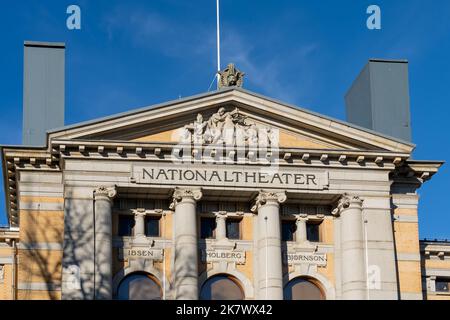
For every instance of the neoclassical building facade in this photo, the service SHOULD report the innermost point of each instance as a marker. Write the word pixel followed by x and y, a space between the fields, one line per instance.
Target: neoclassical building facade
pixel 224 195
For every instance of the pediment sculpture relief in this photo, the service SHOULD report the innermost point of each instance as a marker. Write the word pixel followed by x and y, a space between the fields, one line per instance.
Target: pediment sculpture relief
pixel 230 128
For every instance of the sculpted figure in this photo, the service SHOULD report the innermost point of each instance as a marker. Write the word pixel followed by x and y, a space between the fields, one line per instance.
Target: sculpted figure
pixel 217 118
pixel 186 135
pixel 263 139
pixel 216 123
pixel 199 127
pixel 240 135
pixel 273 136
pixel 228 130
pixel 252 136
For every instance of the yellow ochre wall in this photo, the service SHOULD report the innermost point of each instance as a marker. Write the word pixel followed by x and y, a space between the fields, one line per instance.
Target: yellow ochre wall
pixel 41 235
pixel 406 235
pixel 6 293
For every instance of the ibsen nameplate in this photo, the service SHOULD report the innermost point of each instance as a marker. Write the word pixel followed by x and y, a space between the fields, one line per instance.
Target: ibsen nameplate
pixel 319 259
pixel 223 255
pixel 230 176
pixel 142 253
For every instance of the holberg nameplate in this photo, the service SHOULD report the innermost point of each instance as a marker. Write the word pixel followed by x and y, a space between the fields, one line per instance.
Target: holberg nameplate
pixel 223 255
pixel 232 176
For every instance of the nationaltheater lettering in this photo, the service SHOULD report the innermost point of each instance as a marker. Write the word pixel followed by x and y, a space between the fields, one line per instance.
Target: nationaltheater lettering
pixel 233 177
pixel 229 176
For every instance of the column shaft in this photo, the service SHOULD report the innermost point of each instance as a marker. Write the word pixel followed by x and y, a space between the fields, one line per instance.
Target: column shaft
pixel 103 243
pixel 300 233
pixel 354 278
pixel 186 244
pixel 270 271
pixel 139 226
pixel 221 227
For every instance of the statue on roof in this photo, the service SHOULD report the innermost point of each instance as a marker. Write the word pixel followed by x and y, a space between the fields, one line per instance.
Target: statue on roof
pixel 231 77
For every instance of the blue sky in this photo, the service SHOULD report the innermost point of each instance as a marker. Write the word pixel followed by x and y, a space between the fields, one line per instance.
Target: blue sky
pixel 130 54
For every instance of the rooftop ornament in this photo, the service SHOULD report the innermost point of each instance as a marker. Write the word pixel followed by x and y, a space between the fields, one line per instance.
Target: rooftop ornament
pixel 230 77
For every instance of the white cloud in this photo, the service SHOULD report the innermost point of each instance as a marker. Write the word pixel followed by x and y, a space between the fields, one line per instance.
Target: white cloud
pixel 266 70
pixel 151 30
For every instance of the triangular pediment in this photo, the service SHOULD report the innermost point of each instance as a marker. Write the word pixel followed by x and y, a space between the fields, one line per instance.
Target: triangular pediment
pixel 169 122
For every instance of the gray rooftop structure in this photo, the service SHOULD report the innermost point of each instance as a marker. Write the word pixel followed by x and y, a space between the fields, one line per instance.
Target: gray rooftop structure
pixel 379 98
pixel 43 90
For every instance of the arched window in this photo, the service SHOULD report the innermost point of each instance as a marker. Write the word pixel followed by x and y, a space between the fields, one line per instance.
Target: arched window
pixel 221 287
pixel 303 289
pixel 139 286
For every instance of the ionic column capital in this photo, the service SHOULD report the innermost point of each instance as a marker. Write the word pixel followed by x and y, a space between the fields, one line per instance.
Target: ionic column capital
pixel 301 217
pixel 221 215
pixel 139 212
pixel 181 193
pixel 268 196
pixel 346 201
pixel 105 192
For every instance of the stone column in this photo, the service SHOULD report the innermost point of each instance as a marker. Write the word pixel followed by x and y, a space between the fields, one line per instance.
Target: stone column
pixel 354 277
pixel 186 243
pixel 270 274
pixel 139 223
pixel 221 226
pixel 103 197
pixel 300 234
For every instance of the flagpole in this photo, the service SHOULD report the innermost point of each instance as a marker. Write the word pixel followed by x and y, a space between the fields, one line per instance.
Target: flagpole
pixel 218 42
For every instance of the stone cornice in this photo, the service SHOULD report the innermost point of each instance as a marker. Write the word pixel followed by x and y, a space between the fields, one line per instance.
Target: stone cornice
pixel 22 158
pixel 434 248
pixel 137 151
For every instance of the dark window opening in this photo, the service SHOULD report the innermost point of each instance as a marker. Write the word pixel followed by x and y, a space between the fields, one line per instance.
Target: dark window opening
pixel 221 287
pixel 313 231
pixel 207 228
pixel 233 228
pixel 139 286
pixel 442 285
pixel 126 225
pixel 152 226
pixel 303 289
pixel 288 228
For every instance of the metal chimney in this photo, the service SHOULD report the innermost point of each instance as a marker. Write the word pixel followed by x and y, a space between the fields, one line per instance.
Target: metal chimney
pixel 43 90
pixel 379 98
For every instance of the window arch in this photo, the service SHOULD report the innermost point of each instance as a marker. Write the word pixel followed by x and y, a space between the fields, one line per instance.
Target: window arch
pixel 302 288
pixel 139 286
pixel 222 287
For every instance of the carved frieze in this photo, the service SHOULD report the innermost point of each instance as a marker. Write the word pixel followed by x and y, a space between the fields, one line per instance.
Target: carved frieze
pixel 230 128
